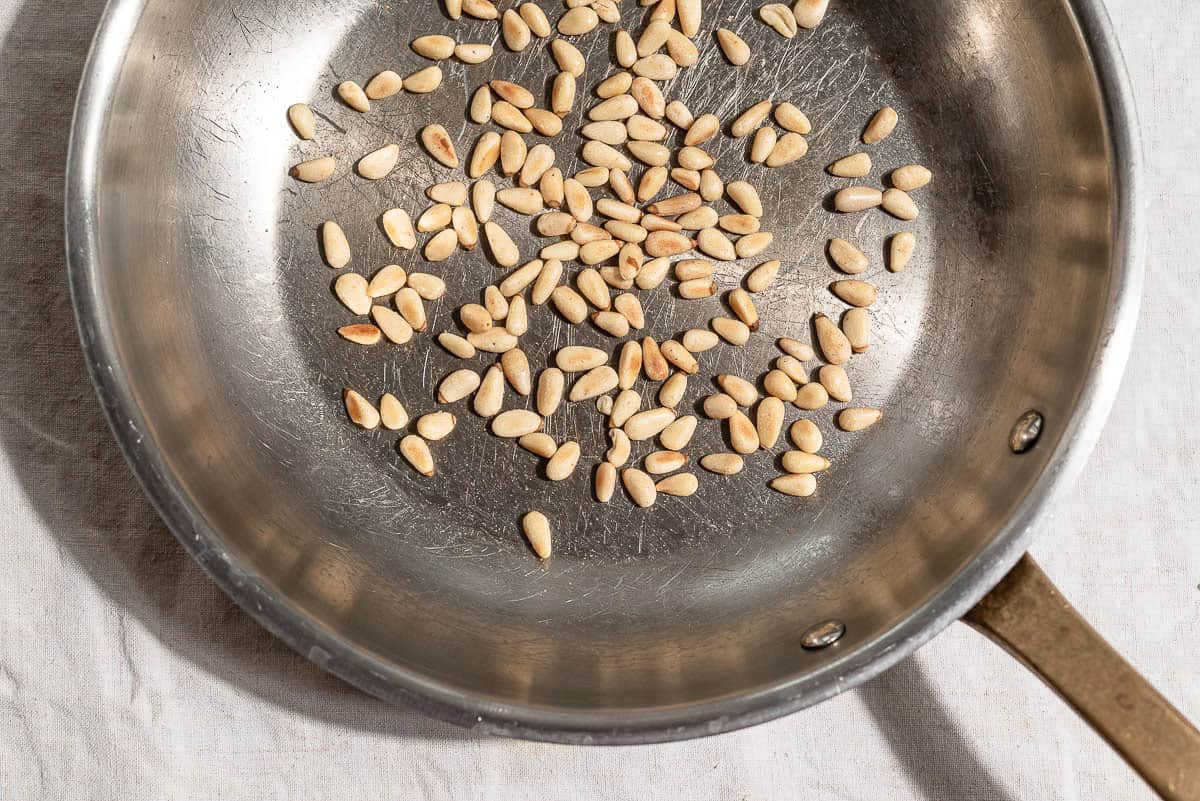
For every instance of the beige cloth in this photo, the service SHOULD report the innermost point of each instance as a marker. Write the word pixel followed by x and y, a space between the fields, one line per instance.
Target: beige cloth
pixel 125 674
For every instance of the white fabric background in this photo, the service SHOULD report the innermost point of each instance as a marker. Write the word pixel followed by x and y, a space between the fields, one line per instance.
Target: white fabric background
pixel 125 674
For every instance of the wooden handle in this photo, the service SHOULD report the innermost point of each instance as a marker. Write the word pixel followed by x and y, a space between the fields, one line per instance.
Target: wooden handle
pixel 1028 616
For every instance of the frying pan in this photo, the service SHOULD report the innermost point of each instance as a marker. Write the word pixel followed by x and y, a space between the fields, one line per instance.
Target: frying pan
pixel 208 322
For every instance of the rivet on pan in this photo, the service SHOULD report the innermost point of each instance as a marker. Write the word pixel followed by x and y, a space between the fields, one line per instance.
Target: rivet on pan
pixel 1026 431
pixel 823 635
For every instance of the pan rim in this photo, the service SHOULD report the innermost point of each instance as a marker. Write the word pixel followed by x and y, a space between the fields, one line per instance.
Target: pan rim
pixel 361 669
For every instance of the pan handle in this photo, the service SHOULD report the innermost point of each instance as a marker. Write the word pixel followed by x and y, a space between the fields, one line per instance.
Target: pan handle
pixel 1027 616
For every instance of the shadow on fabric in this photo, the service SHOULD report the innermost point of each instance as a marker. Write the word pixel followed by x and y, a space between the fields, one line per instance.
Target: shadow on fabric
pixel 54 435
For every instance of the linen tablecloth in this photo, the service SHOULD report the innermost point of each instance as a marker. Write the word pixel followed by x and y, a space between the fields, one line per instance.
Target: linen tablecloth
pixel 125 674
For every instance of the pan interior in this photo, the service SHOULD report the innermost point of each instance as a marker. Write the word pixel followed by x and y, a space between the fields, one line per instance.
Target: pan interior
pixel 219 313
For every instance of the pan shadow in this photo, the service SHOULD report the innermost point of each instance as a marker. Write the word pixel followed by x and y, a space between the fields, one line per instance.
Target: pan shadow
pixel 54 436
pixel 945 766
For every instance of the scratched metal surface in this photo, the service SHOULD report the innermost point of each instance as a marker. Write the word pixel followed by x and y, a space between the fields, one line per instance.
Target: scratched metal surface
pixel 219 309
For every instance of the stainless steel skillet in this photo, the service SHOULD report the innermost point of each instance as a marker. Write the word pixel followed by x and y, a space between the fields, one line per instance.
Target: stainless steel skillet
pixel 208 322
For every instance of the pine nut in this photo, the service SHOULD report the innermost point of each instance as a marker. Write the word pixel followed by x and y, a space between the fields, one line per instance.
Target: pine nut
pixel 639 486
pixel 562 464
pixel 617 210
pixel 555 223
pixel 753 244
pixel 697 288
pixel 648 96
pixel 392 413
pixel 360 333
pixel 480 9
pixel 723 464
pixel 424 81
pixel 848 258
pixel 666 243
pixel 615 85
pixel 598 251
pixel 743 435
pixel 857 419
pixel 679 356
pixel 612 323
pixel 504 250
pixel 515 423
pixel 653 38
pixel 457 385
pixel 441 245
pixel 353 96
pixel 809 13
pixel 652 273
pixel 483 199
pixel 578 21
pixel 599 154
pixel 733 46
pixel 594 382
pixel 656 67
pixel 691 269
pixel 670 394
pixel 780 385
pixel 334 245
pixel 768 421
pixel 762 145
pixel 513 152
pixel 466 227
pixel 583 233
pixel 453 193
pixel 750 119
pixel 833 377
pixel 550 386
pixel 481 105
pixel 856 293
pixel 551 187
pixel 515 31
pixel 435 425
pixel 799 485
pixel 806 436
pixel 546 281
pixel 780 19
pixel 745 197
pixel 856 325
pixel 693 158
pixel 387 281
pixel 625 406
pixel 617 107
pixel 457 345
pixel 645 425
pixel 857 198
pixel 793 368
pixel 743 306
pixel 618 453
pixel 688 179
pixel 697 340
pixel 679 115
pixel 881 125
pixel 833 342
pixel 439 145
pixel 900 251
pixel 715 244
pixel 719 406
pixel 624 48
pixel 473 52
pixel 546 123
pixel 516 281
pixel 453 8
pixel 761 277
pixel 699 219
pixel 811 396
pixel 644 129
pixel 506 115
pixel 392 324
pixel 484 155
pixel 569 304
pixel 537 531
pixel 735 332
pixel 605 482
pixel 302 120
pixel 690 13
pixel 475 318
pixel 631 309
pixel 741 390
pixel 711 187
pixel 898 204
pixel 535 18
pixel 796 349
pixel 315 170
pixel 661 462
pixel 681 485
pixel 435 218
pixel 856 165
pixel 567 56
pixel 578 199
pixel 351 290
pixel 539 159
pixel 538 443
pixel 792 119
pixel 494 340
pixel 562 93
pixel 416 452
pixel 789 148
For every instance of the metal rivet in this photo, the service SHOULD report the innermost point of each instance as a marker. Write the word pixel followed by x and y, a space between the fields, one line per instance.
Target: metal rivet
pixel 823 635
pixel 1026 432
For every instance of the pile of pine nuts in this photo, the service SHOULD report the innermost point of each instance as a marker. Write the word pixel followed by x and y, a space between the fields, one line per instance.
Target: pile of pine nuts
pixel 649 231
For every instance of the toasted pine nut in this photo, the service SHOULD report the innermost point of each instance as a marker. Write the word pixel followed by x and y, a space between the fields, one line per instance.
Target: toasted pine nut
pixel 697 288
pixel 661 462
pixel 515 31
pixel 809 13
pixel 629 363
pixel 416 452
pixel 480 9
pixel 833 342
pixel 667 243
pixel 361 333
pixel 495 303
pixel 569 304
pixel 743 435
pixel 648 96
pixel 653 363
pixel 424 81
pixel 562 464
pixel 437 141
pixel 550 391
pixel 506 115
pixel 484 155
pixel 384 84
pixel 536 528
